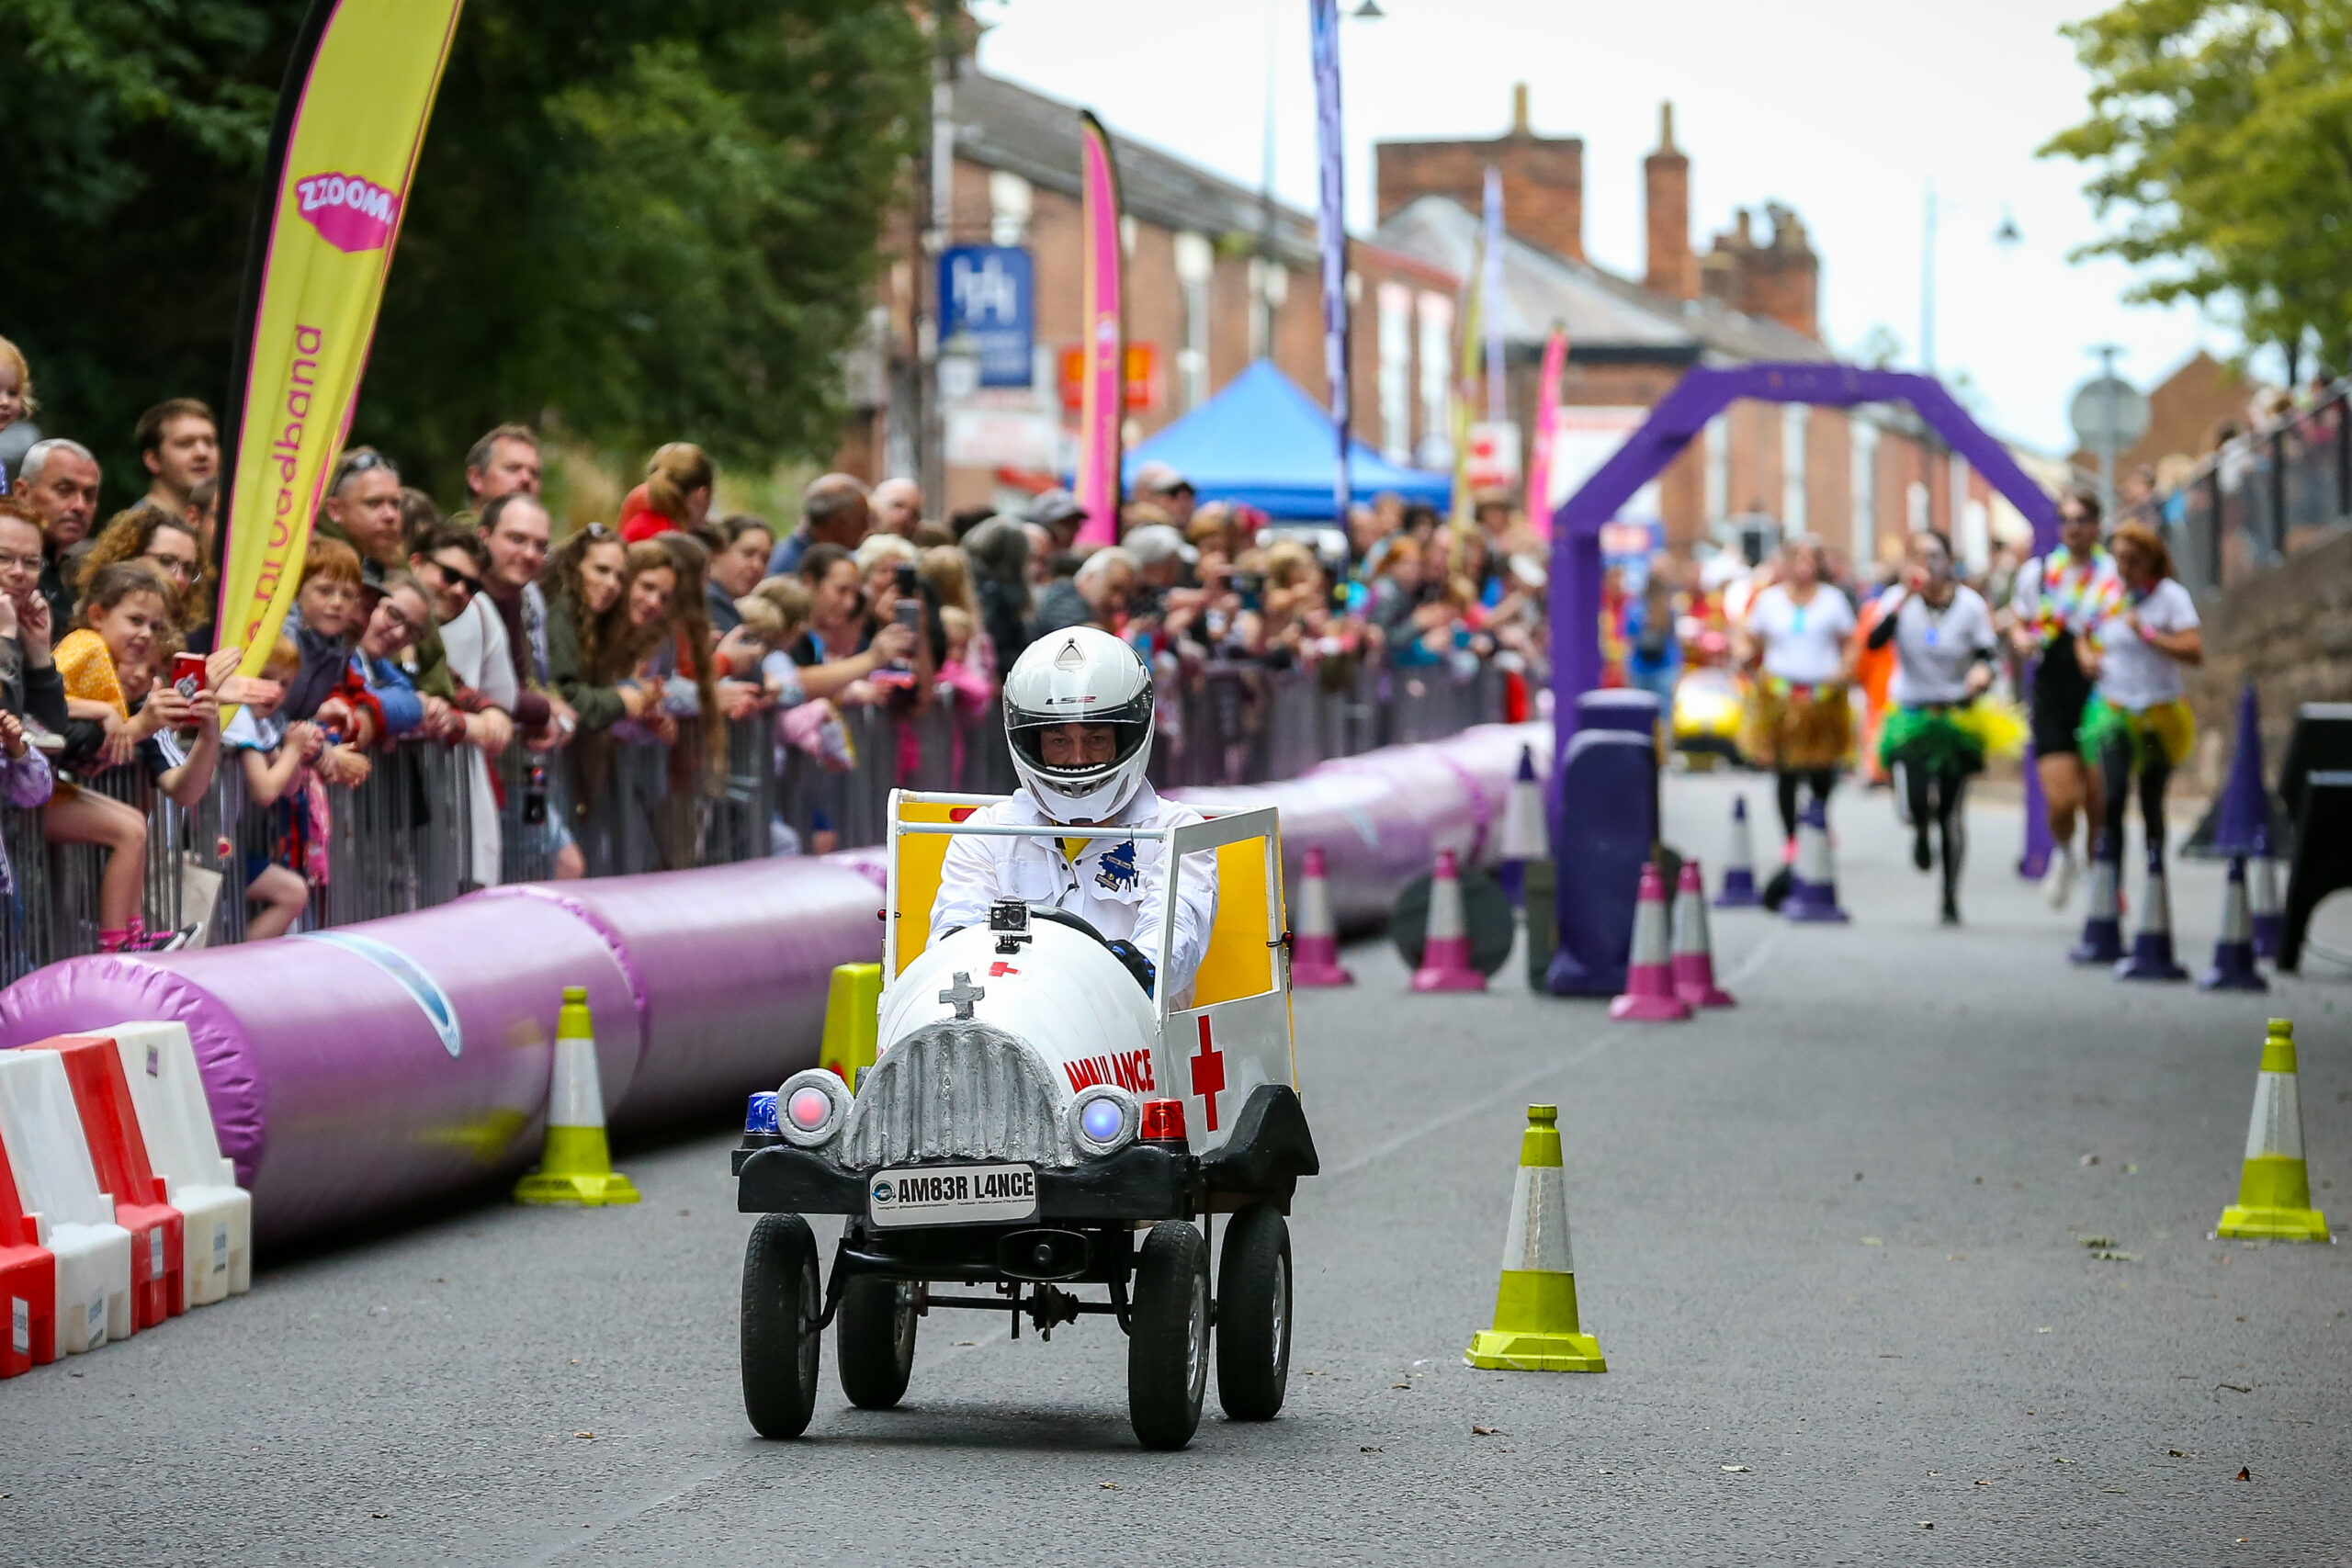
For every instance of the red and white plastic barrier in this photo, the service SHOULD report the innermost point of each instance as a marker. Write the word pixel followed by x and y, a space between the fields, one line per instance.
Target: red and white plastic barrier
pixel 49 1158
pixel 168 1093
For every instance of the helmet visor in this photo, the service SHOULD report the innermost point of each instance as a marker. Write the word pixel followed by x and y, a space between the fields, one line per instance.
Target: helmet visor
pixel 1075 753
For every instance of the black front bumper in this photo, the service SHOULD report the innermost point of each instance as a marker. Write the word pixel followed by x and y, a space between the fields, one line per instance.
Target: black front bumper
pixel 1139 1183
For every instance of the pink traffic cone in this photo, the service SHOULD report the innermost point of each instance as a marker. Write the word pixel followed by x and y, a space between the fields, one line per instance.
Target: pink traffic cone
pixel 1694 948
pixel 1445 947
pixel 1315 945
pixel 1649 977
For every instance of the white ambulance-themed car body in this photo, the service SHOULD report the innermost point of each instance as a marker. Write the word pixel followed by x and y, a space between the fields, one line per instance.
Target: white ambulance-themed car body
pixel 1036 1119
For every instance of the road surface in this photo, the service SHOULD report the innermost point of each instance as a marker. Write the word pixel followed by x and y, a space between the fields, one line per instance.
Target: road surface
pixel 1833 1243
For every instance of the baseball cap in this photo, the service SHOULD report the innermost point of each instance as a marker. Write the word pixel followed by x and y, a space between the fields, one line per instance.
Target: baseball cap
pixel 1157 478
pixel 1156 542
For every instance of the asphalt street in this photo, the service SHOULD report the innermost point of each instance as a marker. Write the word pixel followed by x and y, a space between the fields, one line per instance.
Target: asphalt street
pixel 1836 1244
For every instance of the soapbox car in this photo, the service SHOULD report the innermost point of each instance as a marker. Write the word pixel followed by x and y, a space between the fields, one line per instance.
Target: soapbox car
pixel 1035 1119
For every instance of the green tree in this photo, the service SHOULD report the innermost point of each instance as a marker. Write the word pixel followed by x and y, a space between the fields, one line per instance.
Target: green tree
pixel 635 221
pixel 2223 129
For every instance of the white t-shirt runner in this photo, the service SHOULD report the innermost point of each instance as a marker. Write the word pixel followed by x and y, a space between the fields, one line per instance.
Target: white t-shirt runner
pixel 2134 674
pixel 1934 648
pixel 1804 644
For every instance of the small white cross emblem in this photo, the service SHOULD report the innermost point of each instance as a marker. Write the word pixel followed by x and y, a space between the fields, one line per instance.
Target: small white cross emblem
pixel 962 994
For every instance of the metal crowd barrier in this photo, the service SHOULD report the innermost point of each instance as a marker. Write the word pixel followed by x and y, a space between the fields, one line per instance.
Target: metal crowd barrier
pixel 2240 509
pixel 413 834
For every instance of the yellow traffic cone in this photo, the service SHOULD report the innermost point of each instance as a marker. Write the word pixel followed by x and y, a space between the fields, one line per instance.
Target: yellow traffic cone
pixel 853 1015
pixel 1535 1308
pixel 577 1165
pixel 2275 1192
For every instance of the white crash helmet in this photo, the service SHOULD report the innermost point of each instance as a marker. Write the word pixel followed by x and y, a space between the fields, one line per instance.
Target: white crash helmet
pixel 1079 676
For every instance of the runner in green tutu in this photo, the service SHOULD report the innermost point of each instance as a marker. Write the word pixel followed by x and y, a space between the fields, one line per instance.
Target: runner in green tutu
pixel 1934 739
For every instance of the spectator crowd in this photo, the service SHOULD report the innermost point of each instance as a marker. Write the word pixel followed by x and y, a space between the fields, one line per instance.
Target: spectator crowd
pixel 550 663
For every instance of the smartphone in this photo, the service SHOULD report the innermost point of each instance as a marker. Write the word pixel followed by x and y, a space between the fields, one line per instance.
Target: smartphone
pixel 187 673
pixel 1252 587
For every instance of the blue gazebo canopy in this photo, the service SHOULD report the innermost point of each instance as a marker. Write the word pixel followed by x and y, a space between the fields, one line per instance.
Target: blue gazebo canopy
pixel 1265 442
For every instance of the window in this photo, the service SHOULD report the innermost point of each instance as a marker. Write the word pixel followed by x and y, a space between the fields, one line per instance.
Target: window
pixel 1196 266
pixel 1395 372
pixel 1793 487
pixel 1436 315
pixel 1864 542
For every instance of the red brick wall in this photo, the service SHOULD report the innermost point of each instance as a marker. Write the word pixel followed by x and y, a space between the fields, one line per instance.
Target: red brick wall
pixel 1543 182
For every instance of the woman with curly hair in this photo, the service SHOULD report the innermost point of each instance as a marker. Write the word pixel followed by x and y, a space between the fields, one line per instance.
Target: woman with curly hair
pixel 588 622
pixel 172 548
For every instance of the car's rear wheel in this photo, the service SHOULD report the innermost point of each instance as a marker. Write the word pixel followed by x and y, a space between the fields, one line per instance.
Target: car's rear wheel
pixel 782 1301
pixel 1254 1315
pixel 1167 1341
pixel 875 1341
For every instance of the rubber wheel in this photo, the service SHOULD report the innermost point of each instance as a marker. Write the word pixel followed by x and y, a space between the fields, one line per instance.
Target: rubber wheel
pixel 873 1341
pixel 1254 1315
pixel 1167 1344
pixel 782 1301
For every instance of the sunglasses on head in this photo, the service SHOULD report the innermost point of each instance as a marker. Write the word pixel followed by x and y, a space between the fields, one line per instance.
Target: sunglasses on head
pixel 360 463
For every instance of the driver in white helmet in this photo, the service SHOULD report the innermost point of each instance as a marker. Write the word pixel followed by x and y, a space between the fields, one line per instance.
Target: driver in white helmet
pixel 1078 711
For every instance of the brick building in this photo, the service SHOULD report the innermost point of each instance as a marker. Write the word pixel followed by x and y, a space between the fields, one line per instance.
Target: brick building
pixel 1215 280
pixel 1858 478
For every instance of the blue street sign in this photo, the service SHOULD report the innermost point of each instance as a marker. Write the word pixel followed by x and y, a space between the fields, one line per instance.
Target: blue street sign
pixel 988 293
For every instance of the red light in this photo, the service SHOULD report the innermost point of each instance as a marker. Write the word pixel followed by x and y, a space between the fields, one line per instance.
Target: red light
pixel 809 1108
pixel 1163 1121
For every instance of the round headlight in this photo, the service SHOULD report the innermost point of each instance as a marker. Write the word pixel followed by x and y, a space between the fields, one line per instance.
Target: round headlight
pixel 811 1107
pixel 1102 1118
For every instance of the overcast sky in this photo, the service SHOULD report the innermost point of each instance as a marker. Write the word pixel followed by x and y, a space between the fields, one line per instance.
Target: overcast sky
pixel 1844 109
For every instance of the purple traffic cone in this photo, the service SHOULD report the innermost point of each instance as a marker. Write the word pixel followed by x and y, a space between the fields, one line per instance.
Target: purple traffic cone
pixel 2233 967
pixel 1694 947
pixel 2102 938
pixel 2151 957
pixel 1813 881
pixel 1739 889
pixel 1649 977
pixel 2269 916
pixel 1523 837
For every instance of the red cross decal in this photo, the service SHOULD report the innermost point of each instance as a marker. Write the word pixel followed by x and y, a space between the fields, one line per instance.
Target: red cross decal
pixel 1000 969
pixel 1208 1071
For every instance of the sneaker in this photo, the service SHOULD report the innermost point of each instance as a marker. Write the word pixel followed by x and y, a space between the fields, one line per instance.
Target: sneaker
pixel 161 942
pixel 1921 855
pixel 2058 886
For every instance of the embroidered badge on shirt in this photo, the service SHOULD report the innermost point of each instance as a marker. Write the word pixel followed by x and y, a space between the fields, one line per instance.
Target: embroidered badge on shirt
pixel 1117 867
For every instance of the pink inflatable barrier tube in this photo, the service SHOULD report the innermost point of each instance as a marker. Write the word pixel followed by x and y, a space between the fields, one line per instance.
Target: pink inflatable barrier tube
pixel 356 1071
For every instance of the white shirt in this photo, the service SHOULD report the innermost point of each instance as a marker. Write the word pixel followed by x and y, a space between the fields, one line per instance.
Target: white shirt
pixel 1805 644
pixel 1934 650
pixel 479 657
pixel 1118 886
pixel 2132 674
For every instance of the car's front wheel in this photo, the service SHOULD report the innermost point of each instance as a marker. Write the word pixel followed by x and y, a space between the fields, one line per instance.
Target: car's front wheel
pixel 782 1302
pixel 1168 1340
pixel 873 1341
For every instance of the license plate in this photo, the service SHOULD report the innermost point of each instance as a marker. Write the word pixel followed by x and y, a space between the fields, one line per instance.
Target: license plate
pixel 953 1195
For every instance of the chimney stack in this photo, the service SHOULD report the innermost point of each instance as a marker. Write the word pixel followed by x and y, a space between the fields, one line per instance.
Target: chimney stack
pixel 1671 268
pixel 1779 279
pixel 1542 179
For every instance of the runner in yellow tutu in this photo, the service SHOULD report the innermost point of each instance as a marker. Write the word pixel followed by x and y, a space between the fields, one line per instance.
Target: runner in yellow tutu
pixel 1942 725
pixel 2138 721
pixel 1797 643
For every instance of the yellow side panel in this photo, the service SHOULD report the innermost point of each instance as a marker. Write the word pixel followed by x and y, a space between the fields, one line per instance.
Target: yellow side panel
pixel 920 856
pixel 1239 961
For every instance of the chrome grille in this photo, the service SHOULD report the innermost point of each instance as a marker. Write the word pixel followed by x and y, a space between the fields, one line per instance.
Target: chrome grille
pixel 957 1090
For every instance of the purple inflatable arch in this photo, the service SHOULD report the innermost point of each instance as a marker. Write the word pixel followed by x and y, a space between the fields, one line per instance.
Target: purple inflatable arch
pixel 1680 416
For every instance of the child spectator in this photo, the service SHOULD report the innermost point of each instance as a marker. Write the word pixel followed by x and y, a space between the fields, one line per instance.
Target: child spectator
pixel 124 609
pixel 275 756
pixel 18 405
pixel 179 760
